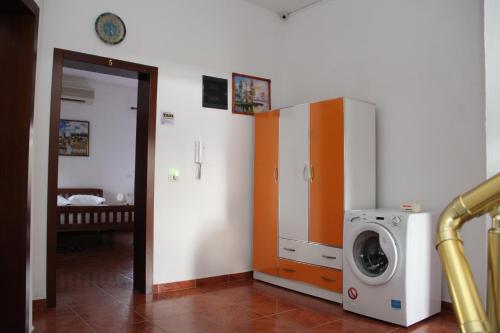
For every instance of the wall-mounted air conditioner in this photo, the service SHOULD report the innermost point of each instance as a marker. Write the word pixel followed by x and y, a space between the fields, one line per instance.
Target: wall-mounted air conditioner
pixel 77 94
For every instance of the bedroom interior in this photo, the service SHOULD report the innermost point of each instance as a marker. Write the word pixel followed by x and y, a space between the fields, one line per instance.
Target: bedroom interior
pixel 95 205
pixel 293 161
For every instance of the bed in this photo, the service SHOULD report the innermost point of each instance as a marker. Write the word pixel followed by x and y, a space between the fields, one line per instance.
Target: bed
pixel 93 218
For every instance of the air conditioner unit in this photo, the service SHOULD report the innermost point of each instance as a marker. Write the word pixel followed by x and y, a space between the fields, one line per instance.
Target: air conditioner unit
pixel 77 94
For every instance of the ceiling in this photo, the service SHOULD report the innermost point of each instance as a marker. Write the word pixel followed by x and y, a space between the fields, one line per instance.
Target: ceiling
pixel 81 77
pixel 279 6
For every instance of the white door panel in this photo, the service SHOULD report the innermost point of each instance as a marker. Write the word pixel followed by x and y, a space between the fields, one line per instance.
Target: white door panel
pixel 294 172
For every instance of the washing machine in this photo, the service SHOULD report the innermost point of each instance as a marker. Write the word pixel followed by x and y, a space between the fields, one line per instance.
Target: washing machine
pixel 391 269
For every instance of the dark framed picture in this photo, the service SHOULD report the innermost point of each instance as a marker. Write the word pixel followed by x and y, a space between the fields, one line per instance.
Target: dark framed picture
pixel 74 137
pixel 251 94
pixel 214 92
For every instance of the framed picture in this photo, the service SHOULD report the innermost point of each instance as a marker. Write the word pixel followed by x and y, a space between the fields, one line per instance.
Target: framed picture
pixel 214 92
pixel 73 137
pixel 251 94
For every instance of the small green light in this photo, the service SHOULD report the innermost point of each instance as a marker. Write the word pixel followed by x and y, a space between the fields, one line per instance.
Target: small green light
pixel 173 173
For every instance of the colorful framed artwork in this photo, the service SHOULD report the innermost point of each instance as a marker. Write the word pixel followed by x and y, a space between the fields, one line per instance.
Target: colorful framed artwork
pixel 251 94
pixel 73 137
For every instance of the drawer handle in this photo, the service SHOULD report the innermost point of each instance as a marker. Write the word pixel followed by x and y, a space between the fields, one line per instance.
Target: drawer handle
pixel 328 257
pixel 289 270
pixel 328 279
pixel 289 249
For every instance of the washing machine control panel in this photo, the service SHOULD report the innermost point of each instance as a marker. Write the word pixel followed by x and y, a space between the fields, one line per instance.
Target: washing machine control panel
pixel 394 219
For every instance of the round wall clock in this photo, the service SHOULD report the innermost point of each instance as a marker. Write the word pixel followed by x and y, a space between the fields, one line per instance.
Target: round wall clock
pixel 110 28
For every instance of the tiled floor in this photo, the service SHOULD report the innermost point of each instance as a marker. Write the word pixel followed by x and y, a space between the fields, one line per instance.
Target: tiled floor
pixel 95 295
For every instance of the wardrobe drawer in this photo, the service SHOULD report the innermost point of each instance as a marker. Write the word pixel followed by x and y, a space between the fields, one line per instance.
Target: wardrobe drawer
pixel 321 277
pixel 310 253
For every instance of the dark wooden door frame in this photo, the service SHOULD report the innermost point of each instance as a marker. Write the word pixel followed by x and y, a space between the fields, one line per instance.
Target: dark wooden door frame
pixel 18 30
pixel 144 160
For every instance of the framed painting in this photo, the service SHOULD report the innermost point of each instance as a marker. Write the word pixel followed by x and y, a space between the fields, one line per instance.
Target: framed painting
pixel 251 94
pixel 73 137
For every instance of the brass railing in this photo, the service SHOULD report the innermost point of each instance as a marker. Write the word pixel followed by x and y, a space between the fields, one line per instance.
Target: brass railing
pixel 469 311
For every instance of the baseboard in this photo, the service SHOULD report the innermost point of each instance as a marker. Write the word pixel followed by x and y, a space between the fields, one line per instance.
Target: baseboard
pixel 38 304
pixel 203 282
pixel 446 307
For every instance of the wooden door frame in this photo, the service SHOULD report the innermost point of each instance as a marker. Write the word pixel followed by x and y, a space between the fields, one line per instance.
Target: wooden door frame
pixel 19 30
pixel 144 161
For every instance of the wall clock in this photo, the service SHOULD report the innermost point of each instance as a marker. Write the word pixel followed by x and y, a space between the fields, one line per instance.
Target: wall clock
pixel 110 28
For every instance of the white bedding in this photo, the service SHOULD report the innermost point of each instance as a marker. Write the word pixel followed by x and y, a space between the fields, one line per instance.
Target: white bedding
pixel 81 200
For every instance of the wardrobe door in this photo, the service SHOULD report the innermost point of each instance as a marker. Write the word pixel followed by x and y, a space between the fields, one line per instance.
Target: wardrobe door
pixel 265 226
pixel 294 172
pixel 327 172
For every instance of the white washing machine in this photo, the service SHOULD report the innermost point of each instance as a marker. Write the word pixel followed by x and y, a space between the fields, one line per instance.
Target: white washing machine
pixel 391 269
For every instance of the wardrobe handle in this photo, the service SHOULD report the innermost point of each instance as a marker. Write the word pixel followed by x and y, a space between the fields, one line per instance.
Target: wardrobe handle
pixel 328 279
pixel 289 249
pixel 328 257
pixel 289 270
pixel 312 173
pixel 276 175
pixel 305 172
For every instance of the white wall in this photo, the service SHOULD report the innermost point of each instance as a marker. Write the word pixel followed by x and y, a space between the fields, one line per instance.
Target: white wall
pixel 421 62
pixel 111 161
pixel 492 59
pixel 202 228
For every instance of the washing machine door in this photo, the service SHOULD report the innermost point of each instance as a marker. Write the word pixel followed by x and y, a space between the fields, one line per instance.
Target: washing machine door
pixel 373 253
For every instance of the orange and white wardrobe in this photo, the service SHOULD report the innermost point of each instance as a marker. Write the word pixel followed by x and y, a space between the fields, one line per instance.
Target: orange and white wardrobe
pixel 312 163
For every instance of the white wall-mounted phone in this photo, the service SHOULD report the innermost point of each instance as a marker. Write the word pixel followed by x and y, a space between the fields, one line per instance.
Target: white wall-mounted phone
pixel 198 157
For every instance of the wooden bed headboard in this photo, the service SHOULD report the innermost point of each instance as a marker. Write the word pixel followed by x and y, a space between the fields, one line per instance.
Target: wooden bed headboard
pixel 67 192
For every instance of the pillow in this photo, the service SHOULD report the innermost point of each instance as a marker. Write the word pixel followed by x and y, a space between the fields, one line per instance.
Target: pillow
pixel 85 200
pixel 62 201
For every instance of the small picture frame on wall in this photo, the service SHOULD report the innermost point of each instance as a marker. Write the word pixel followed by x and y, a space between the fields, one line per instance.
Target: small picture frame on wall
pixel 73 137
pixel 251 94
pixel 214 92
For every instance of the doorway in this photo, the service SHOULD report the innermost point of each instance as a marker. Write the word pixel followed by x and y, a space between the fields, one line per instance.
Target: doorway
pixel 147 78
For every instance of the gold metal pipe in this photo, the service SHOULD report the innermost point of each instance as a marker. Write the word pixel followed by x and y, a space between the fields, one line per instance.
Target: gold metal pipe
pixel 469 311
pixel 493 272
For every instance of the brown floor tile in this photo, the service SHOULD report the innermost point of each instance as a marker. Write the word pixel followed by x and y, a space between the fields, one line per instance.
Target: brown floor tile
pixel 159 309
pixel 353 325
pixel 263 325
pixel 95 294
pixel 235 293
pixel 131 297
pixel 187 323
pixel 143 327
pixel 108 316
pixel 303 319
pixel 228 316
pixel 61 319
pixel 88 295
pixel 267 306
